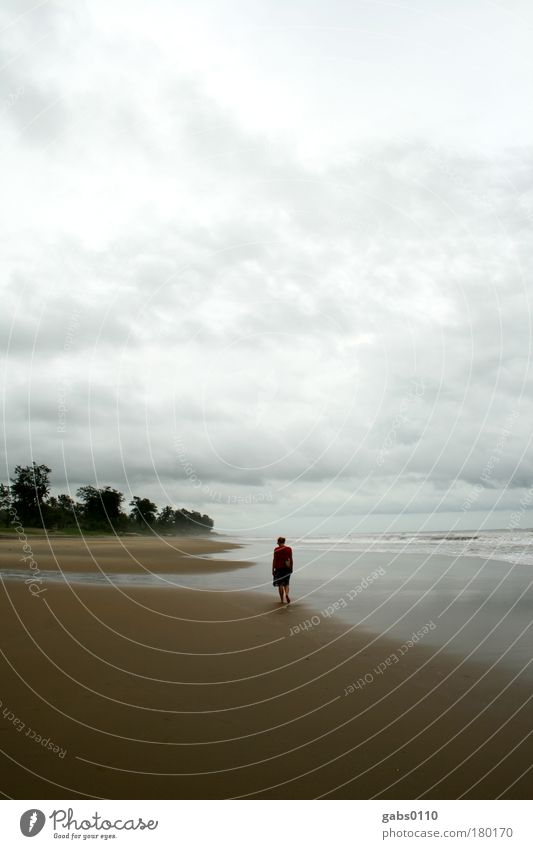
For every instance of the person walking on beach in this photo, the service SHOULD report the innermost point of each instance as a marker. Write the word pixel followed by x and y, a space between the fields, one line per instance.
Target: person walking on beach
pixel 282 569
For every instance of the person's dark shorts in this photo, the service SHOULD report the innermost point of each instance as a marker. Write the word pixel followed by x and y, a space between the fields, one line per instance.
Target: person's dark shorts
pixel 281 577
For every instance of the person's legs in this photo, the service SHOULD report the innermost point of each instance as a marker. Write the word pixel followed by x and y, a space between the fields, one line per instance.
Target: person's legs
pixel 280 588
pixel 286 588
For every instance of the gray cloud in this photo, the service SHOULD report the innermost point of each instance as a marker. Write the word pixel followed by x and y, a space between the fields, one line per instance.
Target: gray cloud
pixel 226 313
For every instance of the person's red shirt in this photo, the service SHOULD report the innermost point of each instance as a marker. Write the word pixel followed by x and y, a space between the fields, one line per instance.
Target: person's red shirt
pixel 282 553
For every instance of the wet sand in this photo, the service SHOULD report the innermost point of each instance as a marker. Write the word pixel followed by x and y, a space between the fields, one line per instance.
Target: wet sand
pixel 176 693
pixel 131 554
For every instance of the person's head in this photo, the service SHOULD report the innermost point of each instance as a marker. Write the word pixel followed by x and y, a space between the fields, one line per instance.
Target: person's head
pixel 281 540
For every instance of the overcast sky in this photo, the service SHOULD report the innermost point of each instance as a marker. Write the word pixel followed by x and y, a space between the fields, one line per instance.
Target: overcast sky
pixel 272 260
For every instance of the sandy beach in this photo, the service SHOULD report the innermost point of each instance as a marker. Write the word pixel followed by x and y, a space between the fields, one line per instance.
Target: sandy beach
pixel 127 553
pixel 132 692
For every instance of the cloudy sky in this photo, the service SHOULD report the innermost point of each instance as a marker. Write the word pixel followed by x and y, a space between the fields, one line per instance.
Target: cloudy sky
pixel 272 260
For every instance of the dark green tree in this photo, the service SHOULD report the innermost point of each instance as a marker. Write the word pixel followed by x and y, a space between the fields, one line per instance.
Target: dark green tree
pixel 191 522
pixel 181 521
pixel 5 501
pixel 30 486
pixel 165 519
pixel 60 512
pixel 101 507
pixel 66 503
pixel 143 511
pixel 28 500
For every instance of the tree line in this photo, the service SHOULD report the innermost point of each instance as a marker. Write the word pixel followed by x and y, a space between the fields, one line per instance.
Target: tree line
pixel 26 499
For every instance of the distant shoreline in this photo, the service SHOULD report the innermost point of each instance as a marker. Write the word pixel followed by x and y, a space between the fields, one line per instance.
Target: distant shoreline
pixel 6 533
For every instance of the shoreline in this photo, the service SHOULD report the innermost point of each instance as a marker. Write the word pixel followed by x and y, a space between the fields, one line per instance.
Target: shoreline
pixel 119 555
pixel 194 693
